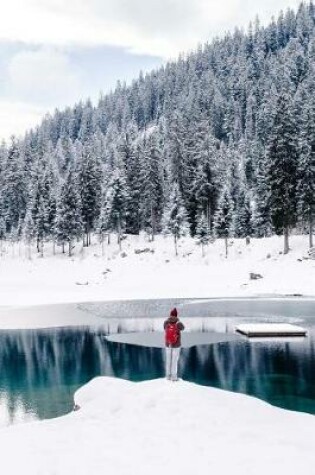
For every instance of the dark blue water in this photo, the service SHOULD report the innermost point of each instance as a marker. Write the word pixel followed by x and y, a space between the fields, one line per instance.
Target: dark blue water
pixel 40 370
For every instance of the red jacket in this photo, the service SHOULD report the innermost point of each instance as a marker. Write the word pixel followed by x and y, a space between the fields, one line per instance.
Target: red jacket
pixel 180 327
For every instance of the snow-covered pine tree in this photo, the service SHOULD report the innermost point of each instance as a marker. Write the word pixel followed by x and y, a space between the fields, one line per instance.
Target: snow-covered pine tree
pixel 243 210
pixel 151 184
pixel 224 215
pixel 175 218
pixel 104 221
pixel 282 154
pixel 28 231
pixel 14 187
pixel 134 186
pixel 261 219
pixel 69 224
pixel 306 166
pixel 89 179
pixel 203 232
pixel 116 199
pixel 207 182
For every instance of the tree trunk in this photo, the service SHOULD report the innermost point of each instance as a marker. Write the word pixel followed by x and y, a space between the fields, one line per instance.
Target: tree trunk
pixel 226 247
pixel 70 249
pixel 63 248
pixel 311 229
pixel 209 215
pixel 119 235
pixel 286 240
pixel 202 250
pixel 103 250
pixel 175 241
pixel 152 223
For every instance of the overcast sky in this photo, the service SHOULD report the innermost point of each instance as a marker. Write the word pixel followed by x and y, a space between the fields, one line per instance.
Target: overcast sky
pixel 56 52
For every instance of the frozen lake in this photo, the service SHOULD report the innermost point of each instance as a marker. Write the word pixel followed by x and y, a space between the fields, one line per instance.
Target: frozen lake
pixel 42 368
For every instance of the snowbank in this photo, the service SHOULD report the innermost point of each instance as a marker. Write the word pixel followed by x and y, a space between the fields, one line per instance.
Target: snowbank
pixel 95 276
pixel 162 427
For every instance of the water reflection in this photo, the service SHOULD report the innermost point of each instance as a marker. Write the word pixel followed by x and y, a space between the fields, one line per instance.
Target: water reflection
pixel 40 370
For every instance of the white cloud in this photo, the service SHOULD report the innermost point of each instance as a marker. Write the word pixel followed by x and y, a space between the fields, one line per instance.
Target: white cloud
pixel 157 27
pixel 17 117
pixel 43 75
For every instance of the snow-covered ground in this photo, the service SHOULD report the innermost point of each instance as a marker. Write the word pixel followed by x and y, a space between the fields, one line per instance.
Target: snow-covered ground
pixel 91 276
pixel 157 427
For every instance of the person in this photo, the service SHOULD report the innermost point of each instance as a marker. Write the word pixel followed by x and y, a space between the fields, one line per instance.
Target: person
pixel 173 328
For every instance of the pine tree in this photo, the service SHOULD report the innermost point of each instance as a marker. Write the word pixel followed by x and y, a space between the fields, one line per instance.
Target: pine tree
pixel 243 210
pixel 116 200
pixel 14 191
pixel 306 166
pixel 175 217
pixel 90 178
pixel 203 232
pixel 29 230
pixel 104 220
pixel 69 219
pixel 224 215
pixel 282 169
pixel 151 185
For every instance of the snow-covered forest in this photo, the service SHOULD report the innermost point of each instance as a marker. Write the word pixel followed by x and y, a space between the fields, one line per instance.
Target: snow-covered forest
pixel 219 143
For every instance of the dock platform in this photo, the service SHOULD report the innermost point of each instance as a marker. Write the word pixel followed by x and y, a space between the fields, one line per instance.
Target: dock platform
pixel 270 330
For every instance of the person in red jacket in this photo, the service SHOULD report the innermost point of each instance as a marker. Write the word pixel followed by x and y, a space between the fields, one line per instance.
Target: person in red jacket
pixel 173 328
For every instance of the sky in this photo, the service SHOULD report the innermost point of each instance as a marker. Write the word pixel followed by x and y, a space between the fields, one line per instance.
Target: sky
pixel 54 53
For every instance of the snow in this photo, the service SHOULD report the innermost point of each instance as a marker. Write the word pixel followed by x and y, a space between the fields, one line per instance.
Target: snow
pixel 270 329
pixel 91 276
pixel 155 427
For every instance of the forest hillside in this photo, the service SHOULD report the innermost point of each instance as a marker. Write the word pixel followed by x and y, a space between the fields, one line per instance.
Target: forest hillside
pixel 220 143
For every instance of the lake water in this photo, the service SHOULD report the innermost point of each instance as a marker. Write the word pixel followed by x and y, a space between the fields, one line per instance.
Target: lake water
pixel 41 369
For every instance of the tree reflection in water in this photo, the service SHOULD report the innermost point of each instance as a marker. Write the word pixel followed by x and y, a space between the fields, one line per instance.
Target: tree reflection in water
pixel 40 370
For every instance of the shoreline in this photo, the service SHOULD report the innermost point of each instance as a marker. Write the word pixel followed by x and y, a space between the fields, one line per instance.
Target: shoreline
pixel 97 313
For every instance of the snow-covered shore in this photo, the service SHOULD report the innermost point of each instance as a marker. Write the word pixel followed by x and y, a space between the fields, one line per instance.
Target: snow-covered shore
pixel 91 276
pixel 156 427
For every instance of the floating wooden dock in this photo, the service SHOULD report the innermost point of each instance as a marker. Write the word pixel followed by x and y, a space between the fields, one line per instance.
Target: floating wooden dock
pixel 270 329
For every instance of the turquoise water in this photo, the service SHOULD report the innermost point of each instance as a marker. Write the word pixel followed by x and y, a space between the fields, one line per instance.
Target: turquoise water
pixel 40 370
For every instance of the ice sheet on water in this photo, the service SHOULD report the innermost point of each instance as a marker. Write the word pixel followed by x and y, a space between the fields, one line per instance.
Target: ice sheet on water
pixel 156 339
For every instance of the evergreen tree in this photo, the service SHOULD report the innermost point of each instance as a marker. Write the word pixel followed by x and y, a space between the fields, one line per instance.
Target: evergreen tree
pixel 243 210
pixel 14 191
pixel 224 215
pixel 282 169
pixel 29 230
pixel 69 219
pixel 262 222
pixel 175 217
pixel 203 232
pixel 151 185
pixel 116 205
pixel 89 178
pixel 306 166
